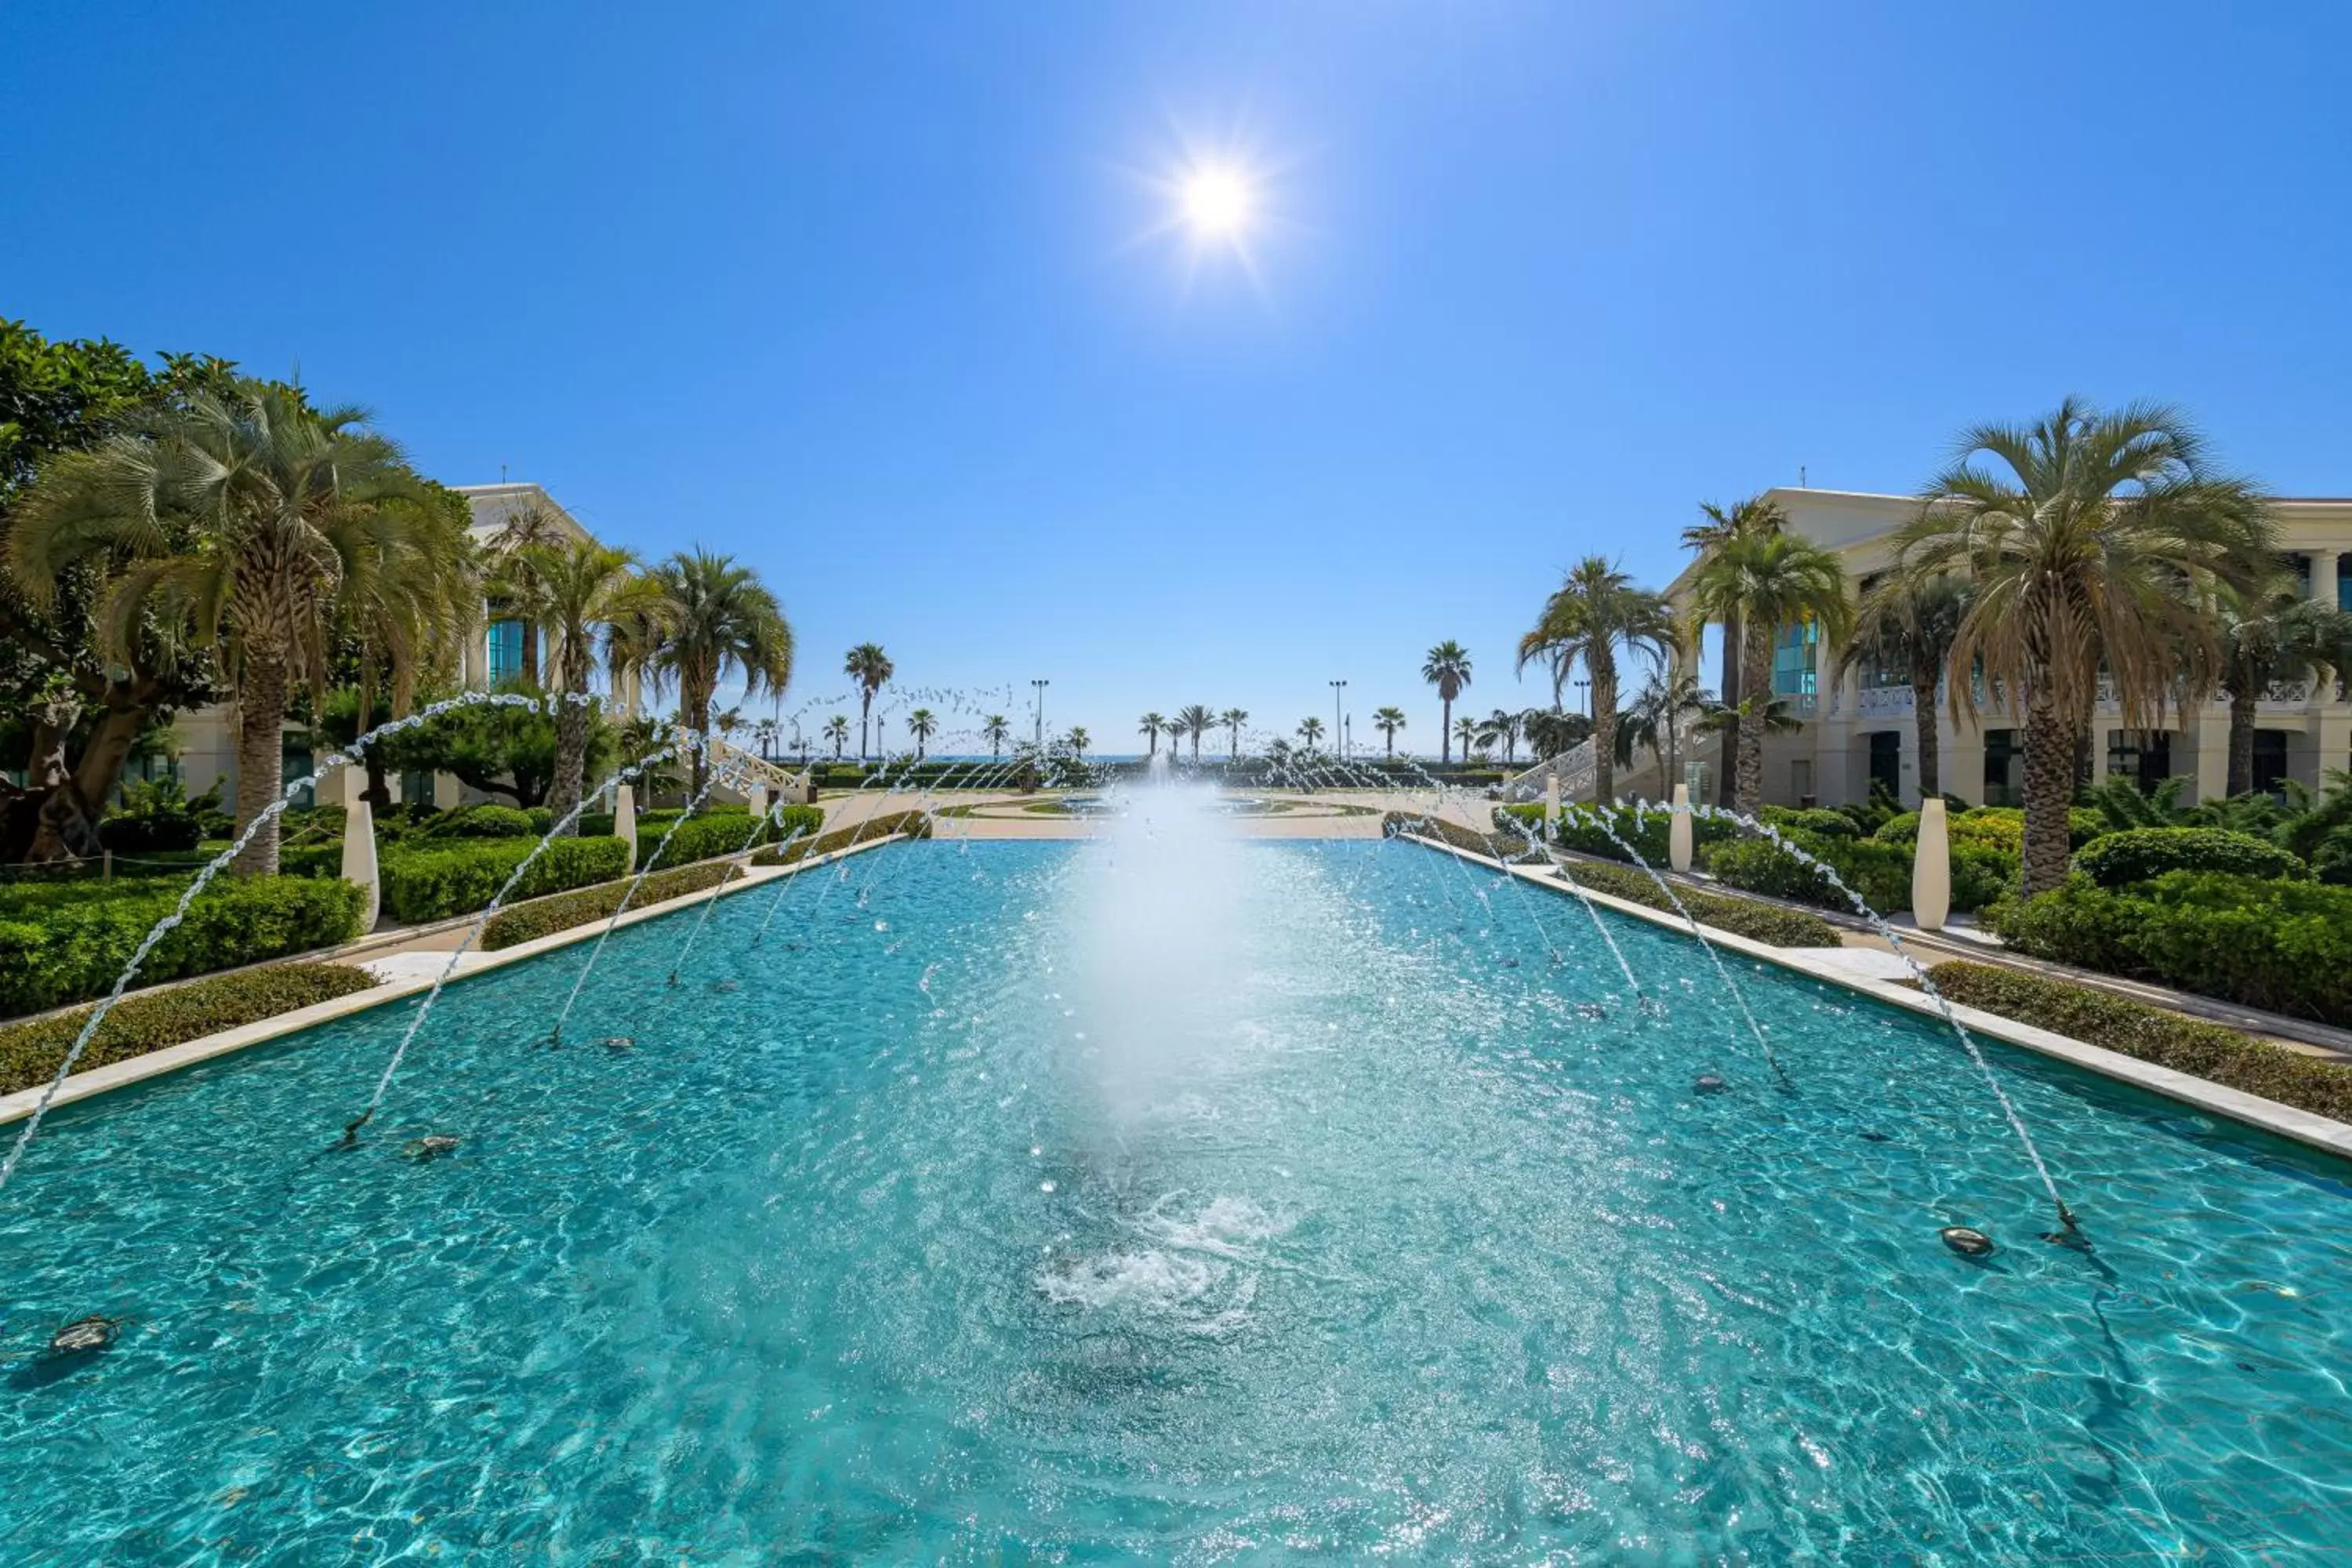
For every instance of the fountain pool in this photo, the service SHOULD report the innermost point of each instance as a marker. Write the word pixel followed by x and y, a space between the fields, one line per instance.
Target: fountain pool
pixel 1334 1217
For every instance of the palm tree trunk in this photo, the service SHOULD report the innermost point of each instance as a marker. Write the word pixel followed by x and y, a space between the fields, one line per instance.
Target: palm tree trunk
pixel 260 758
pixel 1923 718
pixel 2242 741
pixel 1604 725
pixel 694 712
pixel 571 758
pixel 1445 735
pixel 530 653
pixel 1734 693
pixel 2049 791
pixel 865 713
pixel 1756 672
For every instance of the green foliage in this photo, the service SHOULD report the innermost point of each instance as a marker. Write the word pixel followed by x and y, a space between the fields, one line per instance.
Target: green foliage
pixel 2333 861
pixel 1646 828
pixel 724 830
pixel 2140 854
pixel 58 950
pixel 2281 945
pixel 1880 872
pixel 519 923
pixel 2208 1051
pixel 1819 822
pixel 483 822
pixel 30 1053
pixel 498 750
pixel 916 823
pixel 153 816
pixel 431 883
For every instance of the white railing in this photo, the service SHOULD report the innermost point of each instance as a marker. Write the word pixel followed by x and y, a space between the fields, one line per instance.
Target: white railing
pixel 1575 768
pixel 754 767
pixel 1885 702
pixel 2287 693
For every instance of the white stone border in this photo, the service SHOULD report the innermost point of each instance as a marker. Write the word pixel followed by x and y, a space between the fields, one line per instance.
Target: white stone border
pixel 2285 1121
pixel 188 1053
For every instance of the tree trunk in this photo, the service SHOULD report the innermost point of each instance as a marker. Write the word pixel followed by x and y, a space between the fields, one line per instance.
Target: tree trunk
pixel 2049 791
pixel 1756 672
pixel 378 793
pixel 530 654
pixel 2242 741
pixel 865 724
pixel 1445 735
pixel 1604 731
pixel 1734 693
pixel 694 711
pixel 1923 718
pixel 260 757
pixel 571 759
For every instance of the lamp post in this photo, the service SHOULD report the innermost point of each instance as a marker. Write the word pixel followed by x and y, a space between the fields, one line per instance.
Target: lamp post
pixel 1338 724
pixel 1041 686
pixel 1584 695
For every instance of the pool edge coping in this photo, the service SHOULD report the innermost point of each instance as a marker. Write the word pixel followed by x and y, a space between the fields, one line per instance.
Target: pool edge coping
pixel 114 1076
pixel 2304 1127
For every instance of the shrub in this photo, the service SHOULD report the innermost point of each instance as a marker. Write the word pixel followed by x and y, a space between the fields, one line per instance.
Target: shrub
pixel 430 883
pixel 30 1053
pixel 71 951
pixel 724 831
pixel 1996 827
pixel 483 822
pixel 519 923
pixel 1880 872
pixel 2332 862
pixel 1819 822
pixel 2208 1051
pixel 917 824
pixel 1647 828
pixel 2142 854
pixel 153 816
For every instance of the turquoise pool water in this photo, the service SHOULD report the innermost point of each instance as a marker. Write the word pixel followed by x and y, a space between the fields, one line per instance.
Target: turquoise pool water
pixel 945 1226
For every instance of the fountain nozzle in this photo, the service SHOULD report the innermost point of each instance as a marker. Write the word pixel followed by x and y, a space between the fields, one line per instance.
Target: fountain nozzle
pixel 351 1130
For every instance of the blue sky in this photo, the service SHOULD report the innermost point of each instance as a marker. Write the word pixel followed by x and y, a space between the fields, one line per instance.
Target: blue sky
pixel 860 294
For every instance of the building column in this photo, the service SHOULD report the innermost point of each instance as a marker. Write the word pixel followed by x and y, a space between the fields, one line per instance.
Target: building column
pixel 2323 576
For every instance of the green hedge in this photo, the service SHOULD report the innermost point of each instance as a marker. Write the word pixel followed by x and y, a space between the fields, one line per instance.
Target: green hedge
pixel 1819 822
pixel 1996 827
pixel 916 823
pixel 523 922
pixel 72 951
pixel 431 884
pixel 2286 946
pixel 2144 854
pixel 30 1053
pixel 1647 831
pixel 726 831
pixel 1880 871
pixel 2208 1051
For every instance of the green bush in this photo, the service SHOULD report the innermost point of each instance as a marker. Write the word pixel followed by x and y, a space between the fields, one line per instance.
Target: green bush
pixel 431 883
pixel 2332 862
pixel 1819 822
pixel 916 823
pixel 141 1023
pixel 1647 831
pixel 2208 1051
pixel 71 951
pixel 483 822
pixel 724 831
pixel 519 923
pixel 2281 945
pixel 2142 854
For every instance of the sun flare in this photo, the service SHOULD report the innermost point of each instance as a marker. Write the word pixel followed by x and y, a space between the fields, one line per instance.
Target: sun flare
pixel 1217 202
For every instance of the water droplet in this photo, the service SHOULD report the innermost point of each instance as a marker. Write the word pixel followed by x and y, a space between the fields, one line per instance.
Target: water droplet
pixel 1045 1187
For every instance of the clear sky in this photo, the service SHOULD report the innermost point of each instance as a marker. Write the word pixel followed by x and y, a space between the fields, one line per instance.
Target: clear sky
pixel 870 295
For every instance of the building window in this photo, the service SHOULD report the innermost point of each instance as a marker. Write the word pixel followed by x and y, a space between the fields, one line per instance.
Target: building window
pixel 1793 674
pixel 1800 779
pixel 2002 755
pixel 294 763
pixel 504 642
pixel 416 789
pixel 2143 756
pixel 2269 762
pixel 1886 761
pixel 2344 582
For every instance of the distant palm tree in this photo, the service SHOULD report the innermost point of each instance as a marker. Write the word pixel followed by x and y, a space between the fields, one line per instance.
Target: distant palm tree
pixel 1655 720
pixel 995 730
pixel 583 593
pixel 718 618
pixel 1195 720
pixel 1501 727
pixel 1766 581
pixel 1907 625
pixel 1387 721
pixel 2095 542
pixel 1447 668
pixel 1310 730
pixel 836 730
pixel 765 731
pixel 1741 519
pixel 921 725
pixel 869 666
pixel 1080 740
pixel 1149 727
pixel 1591 614
pixel 1466 730
pixel 1232 718
pixel 2271 634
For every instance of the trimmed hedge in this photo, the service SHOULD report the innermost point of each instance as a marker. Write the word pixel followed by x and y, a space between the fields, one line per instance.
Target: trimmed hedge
pixel 1820 822
pixel 2144 854
pixel 30 1053
pixel 431 884
pixel 1996 827
pixel 1646 830
pixel 1879 869
pixel 916 823
pixel 481 822
pixel 72 951
pixel 721 832
pixel 2284 946
pixel 2208 1051
pixel 519 923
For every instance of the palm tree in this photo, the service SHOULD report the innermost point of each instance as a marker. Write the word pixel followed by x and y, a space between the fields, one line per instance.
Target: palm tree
pixel 1767 581
pixel 1387 721
pixel 278 509
pixel 995 730
pixel 2092 539
pixel 1466 730
pixel 1447 668
pixel 1080 740
pixel 583 593
pixel 921 725
pixel 836 730
pixel 765 731
pixel 719 618
pixel 1741 519
pixel 869 666
pixel 1908 624
pixel 1655 719
pixel 1592 614
pixel 1149 727
pixel 1232 718
pixel 1195 720
pixel 1310 730
pixel 530 527
pixel 1501 727
pixel 2272 633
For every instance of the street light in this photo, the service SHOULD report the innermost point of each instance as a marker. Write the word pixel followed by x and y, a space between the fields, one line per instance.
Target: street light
pixel 1041 686
pixel 1339 725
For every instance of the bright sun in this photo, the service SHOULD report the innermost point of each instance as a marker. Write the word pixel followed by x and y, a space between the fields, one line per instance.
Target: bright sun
pixel 1217 202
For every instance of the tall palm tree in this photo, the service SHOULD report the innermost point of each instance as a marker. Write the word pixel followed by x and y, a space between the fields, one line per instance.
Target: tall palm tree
pixel 588 596
pixel 1149 727
pixel 2271 633
pixel 1310 730
pixel 836 730
pixel 246 512
pixel 529 527
pixel 1741 519
pixel 1501 727
pixel 1590 615
pixel 921 725
pixel 1195 720
pixel 995 729
pixel 1232 718
pixel 1080 740
pixel 1447 668
pixel 719 618
pixel 1908 624
pixel 765 731
pixel 869 666
pixel 1767 581
pixel 2091 540
pixel 1387 721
